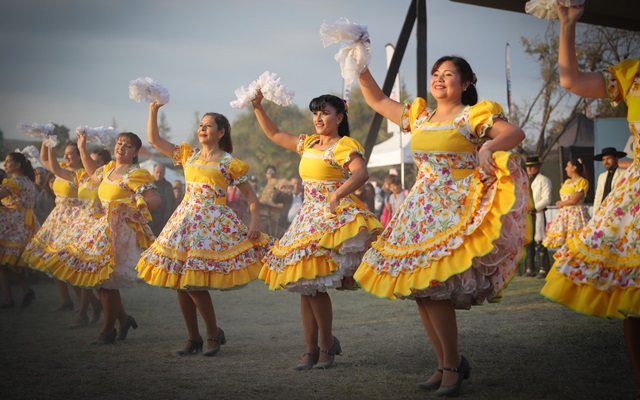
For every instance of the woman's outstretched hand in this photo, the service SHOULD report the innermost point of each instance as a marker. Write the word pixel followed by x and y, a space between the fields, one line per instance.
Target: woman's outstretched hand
pixel 258 99
pixel 155 105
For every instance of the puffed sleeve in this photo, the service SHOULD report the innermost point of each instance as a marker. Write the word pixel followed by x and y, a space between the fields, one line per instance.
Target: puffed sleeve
pixel 238 172
pixel 102 171
pixel 81 173
pixel 483 115
pixel 181 153
pixel 303 142
pixel 140 180
pixel 582 185
pixel 346 149
pixel 620 79
pixel 11 185
pixel 418 109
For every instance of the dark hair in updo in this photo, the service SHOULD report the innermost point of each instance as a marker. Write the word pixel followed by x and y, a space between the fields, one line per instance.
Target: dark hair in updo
pixel 135 141
pixel 104 154
pixel 470 95
pixel 223 123
pixel 580 167
pixel 319 103
pixel 26 168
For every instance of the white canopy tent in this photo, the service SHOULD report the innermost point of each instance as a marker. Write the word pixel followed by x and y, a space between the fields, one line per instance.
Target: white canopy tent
pixel 388 152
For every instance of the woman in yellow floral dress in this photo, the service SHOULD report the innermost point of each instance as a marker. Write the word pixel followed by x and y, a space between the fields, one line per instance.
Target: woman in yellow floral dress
pixel 597 272
pixel 17 224
pixel 106 256
pixel 458 236
pixel 326 240
pixel 89 211
pixel 204 245
pixel 573 214
pixel 48 238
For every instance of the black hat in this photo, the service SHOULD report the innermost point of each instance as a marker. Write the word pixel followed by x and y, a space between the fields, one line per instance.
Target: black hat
pixel 609 151
pixel 533 161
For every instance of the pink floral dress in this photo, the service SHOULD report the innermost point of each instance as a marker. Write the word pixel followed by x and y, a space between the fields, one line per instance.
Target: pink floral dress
pixel 204 245
pixel 597 271
pixel 17 220
pixel 460 233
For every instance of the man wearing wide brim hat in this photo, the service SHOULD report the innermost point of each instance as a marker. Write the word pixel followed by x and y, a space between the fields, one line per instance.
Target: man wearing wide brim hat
pixel 608 179
pixel 541 194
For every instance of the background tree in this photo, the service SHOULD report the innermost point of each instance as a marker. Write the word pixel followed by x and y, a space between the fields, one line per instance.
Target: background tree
pixel 62 133
pixel 545 116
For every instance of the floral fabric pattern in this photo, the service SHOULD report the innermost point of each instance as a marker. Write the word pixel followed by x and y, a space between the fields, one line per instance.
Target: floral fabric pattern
pixel 204 245
pixel 597 272
pixel 17 221
pixel 48 240
pixel 319 248
pixel 97 258
pixel 459 233
pixel 569 219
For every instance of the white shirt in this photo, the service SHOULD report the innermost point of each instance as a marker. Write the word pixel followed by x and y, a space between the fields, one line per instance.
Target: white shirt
pixel 541 192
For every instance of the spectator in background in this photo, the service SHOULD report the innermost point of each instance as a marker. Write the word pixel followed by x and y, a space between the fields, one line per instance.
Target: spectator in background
pixel 178 191
pixel 610 177
pixel 41 174
pixel 161 215
pixel 397 196
pixel 46 200
pixel 269 211
pixel 237 202
pixel 283 197
pixel 367 194
pixel 297 196
pixel 541 194
pixel 254 183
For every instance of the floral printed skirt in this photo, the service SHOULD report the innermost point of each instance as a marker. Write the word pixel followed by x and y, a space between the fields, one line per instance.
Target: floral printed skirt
pixel 457 239
pixel 566 223
pixel 106 256
pixel 203 246
pixel 52 235
pixel 320 249
pixel 597 271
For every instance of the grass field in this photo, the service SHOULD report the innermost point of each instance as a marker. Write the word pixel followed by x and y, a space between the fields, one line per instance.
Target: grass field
pixel 523 348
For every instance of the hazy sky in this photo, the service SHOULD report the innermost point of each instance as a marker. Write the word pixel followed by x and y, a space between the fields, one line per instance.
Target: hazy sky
pixel 71 61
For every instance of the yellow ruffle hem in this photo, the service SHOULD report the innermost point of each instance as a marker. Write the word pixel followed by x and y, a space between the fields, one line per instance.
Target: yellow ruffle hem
pixel 431 261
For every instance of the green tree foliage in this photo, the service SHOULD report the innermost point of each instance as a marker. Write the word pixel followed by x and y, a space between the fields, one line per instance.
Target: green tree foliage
pixel 545 116
pixel 62 133
pixel 251 145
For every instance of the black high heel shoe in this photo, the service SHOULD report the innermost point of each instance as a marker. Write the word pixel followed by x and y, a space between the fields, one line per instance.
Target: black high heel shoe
pixel 332 352
pixel 105 338
pixel 217 342
pixel 313 359
pixel 191 347
pixel 430 385
pixel 464 372
pixel 131 323
pixel 28 298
